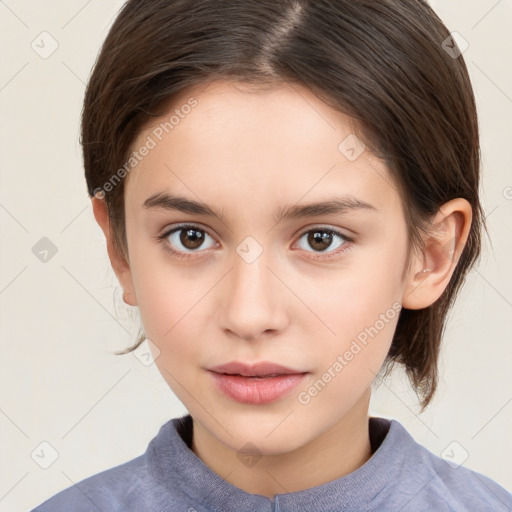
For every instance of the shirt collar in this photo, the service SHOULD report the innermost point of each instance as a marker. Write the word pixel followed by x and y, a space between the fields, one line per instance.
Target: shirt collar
pixel 175 466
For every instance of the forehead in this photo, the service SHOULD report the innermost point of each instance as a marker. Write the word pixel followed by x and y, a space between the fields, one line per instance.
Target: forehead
pixel 230 142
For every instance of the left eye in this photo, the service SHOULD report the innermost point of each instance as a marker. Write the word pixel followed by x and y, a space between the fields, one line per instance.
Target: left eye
pixel 321 239
pixel 190 237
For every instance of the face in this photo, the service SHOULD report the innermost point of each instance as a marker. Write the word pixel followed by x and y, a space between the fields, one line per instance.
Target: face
pixel 317 290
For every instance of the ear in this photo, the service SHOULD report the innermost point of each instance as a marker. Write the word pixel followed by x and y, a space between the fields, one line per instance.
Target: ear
pixel 430 272
pixel 119 264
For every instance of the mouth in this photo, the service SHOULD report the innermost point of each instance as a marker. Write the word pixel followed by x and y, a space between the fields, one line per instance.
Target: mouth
pixel 254 376
pixel 256 384
pixel 259 370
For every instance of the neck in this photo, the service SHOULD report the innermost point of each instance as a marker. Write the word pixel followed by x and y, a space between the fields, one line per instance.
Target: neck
pixel 337 452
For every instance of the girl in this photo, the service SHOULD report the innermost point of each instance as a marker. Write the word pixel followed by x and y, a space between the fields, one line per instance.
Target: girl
pixel 289 194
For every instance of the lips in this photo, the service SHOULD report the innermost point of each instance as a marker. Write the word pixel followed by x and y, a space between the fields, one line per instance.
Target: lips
pixel 261 369
pixel 256 383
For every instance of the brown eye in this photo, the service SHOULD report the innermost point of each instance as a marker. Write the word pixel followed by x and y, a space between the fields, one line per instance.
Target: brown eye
pixel 187 239
pixel 191 238
pixel 322 239
pixel 319 240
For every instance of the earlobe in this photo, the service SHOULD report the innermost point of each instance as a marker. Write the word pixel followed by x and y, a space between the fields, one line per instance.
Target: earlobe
pixel 431 271
pixel 119 264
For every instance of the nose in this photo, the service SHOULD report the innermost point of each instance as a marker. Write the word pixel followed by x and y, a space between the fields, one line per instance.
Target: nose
pixel 254 300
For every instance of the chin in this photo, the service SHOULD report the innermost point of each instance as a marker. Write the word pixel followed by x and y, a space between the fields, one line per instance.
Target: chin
pixel 263 434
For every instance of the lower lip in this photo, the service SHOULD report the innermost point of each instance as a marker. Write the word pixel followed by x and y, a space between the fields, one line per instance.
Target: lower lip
pixel 253 390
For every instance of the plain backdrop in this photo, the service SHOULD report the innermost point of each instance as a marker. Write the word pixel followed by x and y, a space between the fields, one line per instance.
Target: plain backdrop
pixel 69 408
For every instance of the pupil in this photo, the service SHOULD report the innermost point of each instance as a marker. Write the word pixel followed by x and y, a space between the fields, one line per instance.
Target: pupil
pixel 191 238
pixel 320 239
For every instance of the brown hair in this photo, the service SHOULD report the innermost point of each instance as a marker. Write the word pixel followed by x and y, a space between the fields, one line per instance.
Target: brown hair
pixel 384 63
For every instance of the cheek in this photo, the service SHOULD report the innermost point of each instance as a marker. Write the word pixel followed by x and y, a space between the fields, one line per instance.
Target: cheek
pixel 351 360
pixel 176 309
pixel 364 332
pixel 165 298
pixel 358 300
pixel 171 313
pixel 361 309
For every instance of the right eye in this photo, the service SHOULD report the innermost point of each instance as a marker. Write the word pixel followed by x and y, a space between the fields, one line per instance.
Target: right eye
pixel 181 241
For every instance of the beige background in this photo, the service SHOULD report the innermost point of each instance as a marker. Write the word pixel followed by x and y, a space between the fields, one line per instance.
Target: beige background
pixel 61 319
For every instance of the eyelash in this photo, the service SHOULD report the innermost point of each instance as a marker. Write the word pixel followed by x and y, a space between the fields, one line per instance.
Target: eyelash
pixel 324 256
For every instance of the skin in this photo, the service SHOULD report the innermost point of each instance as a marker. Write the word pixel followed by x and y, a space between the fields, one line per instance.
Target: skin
pixel 248 152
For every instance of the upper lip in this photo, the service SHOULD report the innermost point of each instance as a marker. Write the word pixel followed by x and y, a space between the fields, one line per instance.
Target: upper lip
pixel 262 369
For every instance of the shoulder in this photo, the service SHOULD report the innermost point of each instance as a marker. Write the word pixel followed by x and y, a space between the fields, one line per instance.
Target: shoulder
pixel 142 483
pixel 121 488
pixel 433 483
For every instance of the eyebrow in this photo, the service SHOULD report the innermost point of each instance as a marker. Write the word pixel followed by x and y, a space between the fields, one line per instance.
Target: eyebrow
pixel 336 205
